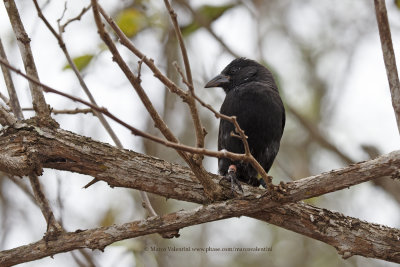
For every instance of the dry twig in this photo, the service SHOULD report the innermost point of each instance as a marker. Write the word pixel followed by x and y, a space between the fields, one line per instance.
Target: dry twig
pixel 388 56
pixel 211 189
pixel 14 102
pixel 38 100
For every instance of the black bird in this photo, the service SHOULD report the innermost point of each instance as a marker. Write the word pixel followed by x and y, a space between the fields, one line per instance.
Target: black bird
pixel 252 96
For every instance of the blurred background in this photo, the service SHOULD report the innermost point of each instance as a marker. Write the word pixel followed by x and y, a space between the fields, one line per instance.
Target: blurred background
pixel 327 59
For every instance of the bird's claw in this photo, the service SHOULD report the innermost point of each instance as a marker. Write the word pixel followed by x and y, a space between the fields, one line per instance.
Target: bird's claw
pixel 232 178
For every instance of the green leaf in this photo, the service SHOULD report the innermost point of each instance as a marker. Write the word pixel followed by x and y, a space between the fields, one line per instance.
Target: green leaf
pixel 131 21
pixel 80 62
pixel 209 14
pixel 397 3
pixel 214 12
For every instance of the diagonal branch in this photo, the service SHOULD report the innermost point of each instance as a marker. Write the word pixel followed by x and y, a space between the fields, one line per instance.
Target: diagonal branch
pixel 211 189
pixel 187 98
pixel 53 227
pixel 85 88
pixel 38 100
pixel 388 56
pixel 99 115
pixel 6 118
pixel 191 102
pixel 14 102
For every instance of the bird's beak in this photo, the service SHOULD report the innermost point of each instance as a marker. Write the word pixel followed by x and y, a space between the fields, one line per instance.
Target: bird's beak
pixel 218 81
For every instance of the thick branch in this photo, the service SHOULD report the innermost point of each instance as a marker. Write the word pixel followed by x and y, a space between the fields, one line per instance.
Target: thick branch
pixel 63 150
pixel 349 235
pixel 38 101
pixel 369 239
pixel 388 56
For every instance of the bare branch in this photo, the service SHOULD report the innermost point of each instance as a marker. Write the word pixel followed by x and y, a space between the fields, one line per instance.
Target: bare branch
pixel 100 116
pixel 125 41
pixel 38 100
pixel 85 88
pixel 66 111
pixel 135 131
pixel 53 227
pixel 57 149
pixel 348 235
pixel 78 17
pixel 243 137
pixel 388 56
pixel 6 118
pixel 200 133
pixel 212 189
pixel 14 102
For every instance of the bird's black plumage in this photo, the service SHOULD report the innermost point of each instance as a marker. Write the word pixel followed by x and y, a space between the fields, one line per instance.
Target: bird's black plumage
pixel 252 96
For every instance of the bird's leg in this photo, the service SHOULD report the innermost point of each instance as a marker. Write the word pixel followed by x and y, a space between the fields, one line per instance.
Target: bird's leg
pixel 261 180
pixel 231 176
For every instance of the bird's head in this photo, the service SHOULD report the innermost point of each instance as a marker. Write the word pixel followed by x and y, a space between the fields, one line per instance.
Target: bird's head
pixel 240 71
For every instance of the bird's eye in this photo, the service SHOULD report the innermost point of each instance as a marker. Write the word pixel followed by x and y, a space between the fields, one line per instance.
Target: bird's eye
pixel 234 70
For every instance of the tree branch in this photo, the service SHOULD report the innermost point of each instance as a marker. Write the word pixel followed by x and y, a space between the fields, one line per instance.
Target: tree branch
pixel 211 189
pixel 370 239
pixel 85 88
pixel 53 227
pixel 6 118
pixel 38 100
pixel 60 149
pixel 187 98
pixel 191 102
pixel 59 36
pixel 388 56
pixel 14 102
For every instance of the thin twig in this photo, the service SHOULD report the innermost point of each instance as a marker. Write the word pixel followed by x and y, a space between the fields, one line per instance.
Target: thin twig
pixel 78 17
pixel 125 41
pixel 159 123
pixel 200 133
pixel 53 227
pixel 14 102
pixel 66 111
pixel 388 56
pixel 85 88
pixel 38 100
pixel 211 189
pixel 135 131
pixel 243 137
